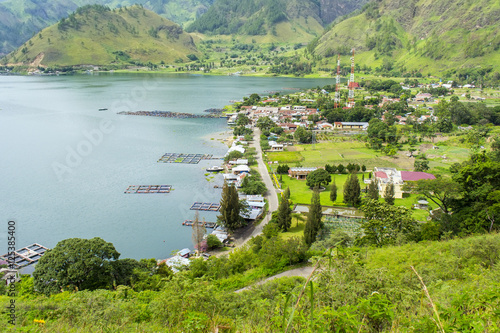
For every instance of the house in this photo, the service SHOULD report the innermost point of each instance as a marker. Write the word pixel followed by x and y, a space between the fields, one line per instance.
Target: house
pixel 277 147
pixel 240 169
pixel 325 125
pixel 239 161
pixel 421 204
pixel 423 97
pixel 351 125
pixel 288 127
pixel 236 180
pixel 386 176
pixel 300 173
pixel 236 148
pixel 10 275
pixel 255 198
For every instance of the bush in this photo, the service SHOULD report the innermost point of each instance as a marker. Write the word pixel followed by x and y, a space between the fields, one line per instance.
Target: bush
pixel 213 242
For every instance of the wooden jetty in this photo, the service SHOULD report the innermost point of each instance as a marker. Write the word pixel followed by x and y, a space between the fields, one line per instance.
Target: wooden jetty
pixel 185 158
pixel 148 189
pixel 207 206
pixel 25 256
pixel 190 223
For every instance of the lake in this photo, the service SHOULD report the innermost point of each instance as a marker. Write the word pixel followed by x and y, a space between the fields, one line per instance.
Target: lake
pixel 65 165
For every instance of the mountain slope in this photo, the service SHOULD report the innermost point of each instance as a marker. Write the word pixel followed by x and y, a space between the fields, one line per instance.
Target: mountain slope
pixel 99 36
pixel 20 19
pixel 425 35
pixel 284 19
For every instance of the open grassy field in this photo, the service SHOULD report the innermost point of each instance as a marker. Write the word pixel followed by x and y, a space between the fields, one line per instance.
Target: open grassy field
pixel 338 152
pixel 301 194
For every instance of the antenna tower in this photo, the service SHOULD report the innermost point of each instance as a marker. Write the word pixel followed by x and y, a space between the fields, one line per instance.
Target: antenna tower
pixel 337 85
pixel 351 80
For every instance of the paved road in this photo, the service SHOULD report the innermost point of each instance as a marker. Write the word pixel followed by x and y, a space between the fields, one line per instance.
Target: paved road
pixel 271 195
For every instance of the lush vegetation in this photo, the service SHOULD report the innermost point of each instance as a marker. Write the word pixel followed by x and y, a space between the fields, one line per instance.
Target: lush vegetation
pixel 96 35
pixel 375 290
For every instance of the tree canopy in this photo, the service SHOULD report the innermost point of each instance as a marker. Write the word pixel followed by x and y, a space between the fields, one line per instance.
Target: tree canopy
pixel 230 208
pixel 318 177
pixel 313 223
pixel 76 263
pixel 385 223
pixel 352 190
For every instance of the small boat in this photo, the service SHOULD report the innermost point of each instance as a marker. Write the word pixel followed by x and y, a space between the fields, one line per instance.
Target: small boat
pixel 215 169
pixel 103 109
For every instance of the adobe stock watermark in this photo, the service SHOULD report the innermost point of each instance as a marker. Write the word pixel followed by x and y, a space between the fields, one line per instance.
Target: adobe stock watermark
pixel 75 154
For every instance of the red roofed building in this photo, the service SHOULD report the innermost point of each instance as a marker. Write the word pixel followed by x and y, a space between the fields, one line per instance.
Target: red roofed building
pixel 413 176
pixel 385 176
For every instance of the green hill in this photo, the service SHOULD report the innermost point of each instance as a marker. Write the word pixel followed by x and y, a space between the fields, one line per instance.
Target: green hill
pixel 96 35
pixel 20 19
pixel 355 290
pixel 285 20
pixel 424 35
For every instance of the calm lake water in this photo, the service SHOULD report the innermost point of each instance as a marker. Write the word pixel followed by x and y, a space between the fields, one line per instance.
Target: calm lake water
pixel 64 165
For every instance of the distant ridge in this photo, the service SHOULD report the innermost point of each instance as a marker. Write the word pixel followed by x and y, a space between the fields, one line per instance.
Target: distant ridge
pixel 423 35
pixel 285 20
pixel 96 35
pixel 20 19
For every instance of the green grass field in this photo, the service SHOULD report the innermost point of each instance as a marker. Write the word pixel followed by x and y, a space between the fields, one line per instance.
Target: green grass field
pixel 301 194
pixel 343 152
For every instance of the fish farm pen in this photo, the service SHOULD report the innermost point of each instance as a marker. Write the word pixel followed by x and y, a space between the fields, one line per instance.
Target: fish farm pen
pixel 148 189
pixel 25 256
pixel 210 225
pixel 168 114
pixel 186 158
pixel 208 206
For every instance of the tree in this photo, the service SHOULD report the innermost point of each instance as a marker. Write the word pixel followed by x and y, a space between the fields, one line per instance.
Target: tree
pixel 284 218
pixel 313 223
pixel 234 155
pixel 333 192
pixel 76 263
pixel 251 185
pixel 385 223
pixel 213 242
pixel 198 231
pixel 302 135
pixel 352 190
pixel 242 120
pixel 421 165
pixel 441 191
pixel 340 168
pixel 229 208
pixel 265 123
pixel 389 194
pixel 372 190
pixel 318 177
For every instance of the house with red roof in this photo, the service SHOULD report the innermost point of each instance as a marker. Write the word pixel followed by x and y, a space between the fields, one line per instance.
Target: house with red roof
pixel 386 176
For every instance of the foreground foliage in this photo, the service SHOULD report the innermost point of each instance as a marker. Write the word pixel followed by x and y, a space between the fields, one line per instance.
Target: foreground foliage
pixel 372 290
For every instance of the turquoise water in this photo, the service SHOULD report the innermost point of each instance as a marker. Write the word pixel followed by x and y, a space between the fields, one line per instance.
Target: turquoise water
pixel 64 165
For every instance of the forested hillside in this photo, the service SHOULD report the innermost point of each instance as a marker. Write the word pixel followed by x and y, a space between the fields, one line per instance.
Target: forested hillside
pixel 97 35
pixel 21 19
pixel 418 34
pixel 278 18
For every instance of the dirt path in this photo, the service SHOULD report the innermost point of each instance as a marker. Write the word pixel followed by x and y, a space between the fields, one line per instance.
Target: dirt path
pixel 301 271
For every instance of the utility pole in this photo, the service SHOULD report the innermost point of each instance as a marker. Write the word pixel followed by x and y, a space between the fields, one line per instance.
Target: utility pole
pixel 351 82
pixel 337 85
